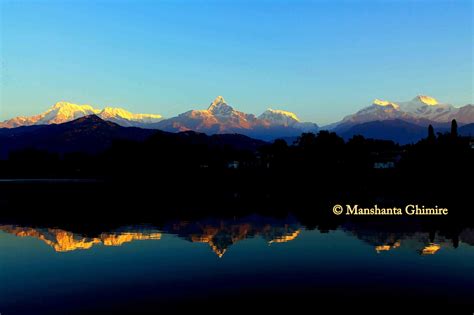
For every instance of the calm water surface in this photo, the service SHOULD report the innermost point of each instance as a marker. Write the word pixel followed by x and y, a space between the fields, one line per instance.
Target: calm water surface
pixel 53 270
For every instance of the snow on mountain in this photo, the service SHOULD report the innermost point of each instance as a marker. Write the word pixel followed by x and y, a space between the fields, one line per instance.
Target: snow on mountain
pixel 464 114
pixel 60 112
pixel 385 104
pixel 278 117
pixel 220 117
pixel 427 107
pixel 126 118
pixel 219 107
pixel 420 109
pixel 63 112
pixel 428 100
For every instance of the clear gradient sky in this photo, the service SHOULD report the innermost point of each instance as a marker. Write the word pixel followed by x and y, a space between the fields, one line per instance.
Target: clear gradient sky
pixel 320 59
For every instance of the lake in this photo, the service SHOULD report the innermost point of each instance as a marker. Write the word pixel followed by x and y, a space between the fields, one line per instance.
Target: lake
pixel 251 261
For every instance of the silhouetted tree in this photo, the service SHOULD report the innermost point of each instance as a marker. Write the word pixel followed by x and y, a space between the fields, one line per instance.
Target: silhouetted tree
pixel 306 140
pixel 280 145
pixel 431 134
pixel 276 155
pixel 454 128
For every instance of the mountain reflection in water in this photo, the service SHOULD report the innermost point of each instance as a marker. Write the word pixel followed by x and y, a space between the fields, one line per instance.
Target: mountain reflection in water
pixel 220 234
pixel 65 241
pixel 261 260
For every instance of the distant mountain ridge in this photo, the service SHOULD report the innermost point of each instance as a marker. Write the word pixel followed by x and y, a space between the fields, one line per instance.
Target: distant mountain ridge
pixel 62 112
pixel 403 122
pixel 467 130
pixel 397 130
pixel 221 118
pixel 383 119
pixel 218 118
pixel 400 131
pixel 91 134
pixel 421 110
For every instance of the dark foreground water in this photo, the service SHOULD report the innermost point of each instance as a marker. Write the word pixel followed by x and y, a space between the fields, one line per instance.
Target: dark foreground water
pixel 218 265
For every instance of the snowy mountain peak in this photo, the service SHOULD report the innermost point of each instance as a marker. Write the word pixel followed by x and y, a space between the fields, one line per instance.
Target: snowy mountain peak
pixel 61 104
pixel 217 102
pixel 427 100
pixel 126 118
pixel 385 103
pixel 277 115
pixel 422 108
pixel 220 107
pixel 64 106
pixel 115 111
pixel 62 112
pixel 220 118
pixel 282 118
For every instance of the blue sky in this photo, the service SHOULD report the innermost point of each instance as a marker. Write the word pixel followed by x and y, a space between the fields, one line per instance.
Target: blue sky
pixel 320 59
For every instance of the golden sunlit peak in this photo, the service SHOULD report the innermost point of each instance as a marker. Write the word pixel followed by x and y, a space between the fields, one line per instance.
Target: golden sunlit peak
pixel 428 100
pixel 385 103
pixel 283 113
pixel 219 99
pixel 63 105
pixel 111 112
pixel 114 111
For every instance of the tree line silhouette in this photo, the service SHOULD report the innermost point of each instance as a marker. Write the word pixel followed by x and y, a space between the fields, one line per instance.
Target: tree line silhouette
pixel 313 161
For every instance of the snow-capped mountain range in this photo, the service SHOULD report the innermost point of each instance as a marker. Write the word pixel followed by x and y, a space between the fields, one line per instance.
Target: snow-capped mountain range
pixel 220 118
pixel 419 110
pixel 63 112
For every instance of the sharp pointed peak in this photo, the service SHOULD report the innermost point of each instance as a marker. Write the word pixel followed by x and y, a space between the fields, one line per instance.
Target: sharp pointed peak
pixel 220 107
pixel 219 100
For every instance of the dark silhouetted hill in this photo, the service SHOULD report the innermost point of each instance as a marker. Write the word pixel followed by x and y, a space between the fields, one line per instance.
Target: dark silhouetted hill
pixel 467 130
pixel 397 130
pixel 88 134
pixel 92 135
